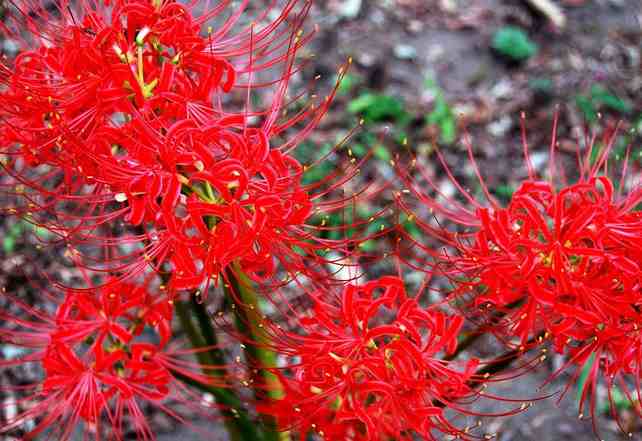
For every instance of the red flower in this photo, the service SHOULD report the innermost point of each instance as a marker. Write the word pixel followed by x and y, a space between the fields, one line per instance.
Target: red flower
pixel 559 259
pixel 119 121
pixel 367 366
pixel 98 369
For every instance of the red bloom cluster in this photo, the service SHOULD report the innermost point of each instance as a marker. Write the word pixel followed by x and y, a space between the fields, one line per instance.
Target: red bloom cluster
pixel 121 116
pixel 556 260
pixel 105 355
pixel 368 366
pixel 564 262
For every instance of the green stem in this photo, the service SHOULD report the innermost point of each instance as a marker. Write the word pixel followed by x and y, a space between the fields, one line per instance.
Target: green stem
pixel 207 330
pixel 237 422
pixel 249 322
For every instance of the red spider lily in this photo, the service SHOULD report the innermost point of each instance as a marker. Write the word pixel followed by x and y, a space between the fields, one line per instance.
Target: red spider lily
pixel 118 120
pixel 96 59
pixel 561 259
pixel 103 355
pixel 238 204
pixel 103 66
pixel 367 365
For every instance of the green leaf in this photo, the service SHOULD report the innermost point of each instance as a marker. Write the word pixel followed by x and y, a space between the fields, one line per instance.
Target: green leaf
pixel 381 152
pixel 505 192
pixel 448 128
pixel 41 232
pixel 317 173
pixel 361 103
pixel 359 150
pixel 637 124
pixel 309 153
pixel 376 226
pixel 368 246
pixel 439 112
pixel 347 83
pixel 620 401
pixel 512 42
pixel 375 107
pixel 442 115
pixel 600 97
pixel 9 241
pixel 8 244
pixel 585 105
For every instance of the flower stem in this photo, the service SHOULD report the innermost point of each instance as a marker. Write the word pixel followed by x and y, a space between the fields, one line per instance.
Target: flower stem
pixel 249 322
pixel 237 422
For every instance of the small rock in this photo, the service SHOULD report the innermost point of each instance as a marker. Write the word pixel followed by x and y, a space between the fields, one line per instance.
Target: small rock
pixel 366 59
pixel 449 6
pixel 576 61
pixel 503 89
pixel 539 159
pixel 435 52
pixel 446 190
pixel 415 26
pixel 566 429
pixel 465 110
pixel 349 9
pixel 618 3
pixel 500 127
pixel 10 46
pixel 10 352
pixel 405 51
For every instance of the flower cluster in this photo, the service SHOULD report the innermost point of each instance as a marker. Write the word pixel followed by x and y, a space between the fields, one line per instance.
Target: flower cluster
pixel 105 356
pixel 559 261
pixel 369 365
pixel 124 115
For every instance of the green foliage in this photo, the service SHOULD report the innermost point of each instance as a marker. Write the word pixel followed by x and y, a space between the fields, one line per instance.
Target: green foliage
pixel 599 97
pixel 311 153
pixel 10 239
pixel 513 43
pixel 637 125
pixel 348 82
pixel 360 147
pixel 504 192
pixel 620 402
pixel 381 152
pixel 317 172
pixel 442 115
pixel 376 107
pixel 542 88
pixel 335 222
pixel 408 223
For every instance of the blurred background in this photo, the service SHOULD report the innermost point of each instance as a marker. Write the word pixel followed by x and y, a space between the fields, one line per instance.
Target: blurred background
pixel 428 69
